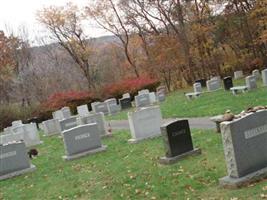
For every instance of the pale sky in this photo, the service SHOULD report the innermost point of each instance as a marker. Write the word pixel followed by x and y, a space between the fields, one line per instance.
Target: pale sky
pixel 14 13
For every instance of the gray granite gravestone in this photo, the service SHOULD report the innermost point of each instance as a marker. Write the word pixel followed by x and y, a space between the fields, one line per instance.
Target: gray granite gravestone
pixel 177 141
pixel 264 77
pixel 14 160
pixel 142 100
pixel 112 105
pixel 68 123
pixel 144 123
pixel 81 141
pixel 152 98
pixel 251 82
pixel 82 110
pixel 213 85
pixel 145 91
pixel 126 95
pixel 28 133
pixel 161 96
pixel 97 118
pixel 256 73
pixel 58 115
pixel 238 74
pixel 245 149
pixel 17 123
pixel 66 112
pixel 101 107
pixel 51 127
pixel 161 88
pixel 197 87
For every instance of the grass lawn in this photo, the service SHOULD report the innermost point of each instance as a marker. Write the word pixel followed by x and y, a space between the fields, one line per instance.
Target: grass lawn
pixel 208 104
pixel 127 171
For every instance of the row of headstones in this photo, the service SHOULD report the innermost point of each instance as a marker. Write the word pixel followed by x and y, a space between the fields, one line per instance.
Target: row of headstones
pixel 144 98
pixel 244 140
pixel 19 131
pixel 215 83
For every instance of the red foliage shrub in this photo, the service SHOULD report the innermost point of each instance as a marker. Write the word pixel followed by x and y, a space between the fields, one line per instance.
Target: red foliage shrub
pixel 131 86
pixel 56 101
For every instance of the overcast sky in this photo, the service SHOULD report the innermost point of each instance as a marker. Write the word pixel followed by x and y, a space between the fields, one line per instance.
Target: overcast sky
pixel 14 13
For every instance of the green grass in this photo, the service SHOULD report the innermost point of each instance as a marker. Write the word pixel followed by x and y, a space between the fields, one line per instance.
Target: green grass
pixel 127 171
pixel 208 104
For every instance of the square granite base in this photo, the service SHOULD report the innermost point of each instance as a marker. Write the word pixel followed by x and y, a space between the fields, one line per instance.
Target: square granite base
pixel 17 173
pixel 233 183
pixel 137 140
pixel 168 161
pixel 85 153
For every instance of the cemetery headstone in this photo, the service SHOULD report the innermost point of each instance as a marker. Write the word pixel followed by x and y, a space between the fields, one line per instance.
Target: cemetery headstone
pixel 144 123
pixel 97 118
pixel 112 105
pixel 58 115
pixel 202 82
pixel 213 85
pixel 251 82
pixel 152 98
pixel 28 133
pixel 14 160
pixel 66 112
pixel 68 123
pixel 145 91
pixel 264 77
pixel 197 87
pixel 125 103
pixel 256 73
pixel 228 83
pixel 82 110
pixel 238 74
pixel 142 100
pixel 245 149
pixel 81 141
pixel 51 127
pixel 161 89
pixel 177 141
pixel 161 96
pixel 126 95
pixel 100 107
pixel 17 123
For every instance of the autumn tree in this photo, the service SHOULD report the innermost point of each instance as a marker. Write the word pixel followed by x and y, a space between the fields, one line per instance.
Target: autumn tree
pixel 108 15
pixel 8 48
pixel 65 25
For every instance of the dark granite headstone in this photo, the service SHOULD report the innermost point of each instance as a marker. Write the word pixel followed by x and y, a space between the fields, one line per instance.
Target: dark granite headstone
pixel 228 82
pixel 125 103
pixel 177 141
pixel 202 82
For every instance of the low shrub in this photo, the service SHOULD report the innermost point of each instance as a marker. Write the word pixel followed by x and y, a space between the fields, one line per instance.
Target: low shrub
pixel 56 101
pixel 131 86
pixel 10 113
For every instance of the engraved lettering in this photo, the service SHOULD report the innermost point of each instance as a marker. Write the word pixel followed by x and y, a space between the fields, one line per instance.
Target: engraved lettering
pixel 8 154
pixel 255 132
pixel 83 136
